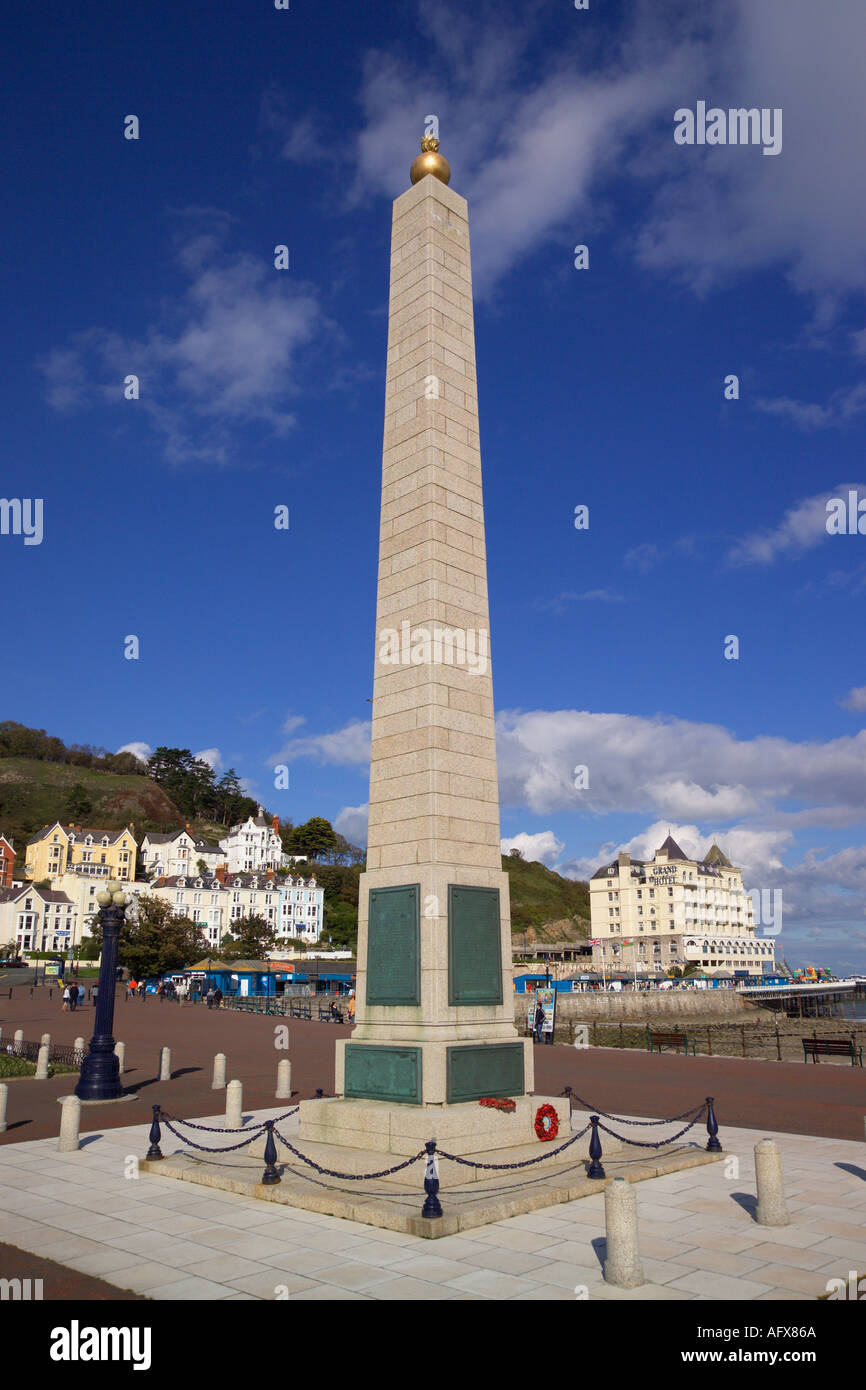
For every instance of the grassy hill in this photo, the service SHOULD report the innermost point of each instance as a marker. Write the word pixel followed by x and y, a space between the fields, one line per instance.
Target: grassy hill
pixel 34 793
pixel 543 902
pixel 544 906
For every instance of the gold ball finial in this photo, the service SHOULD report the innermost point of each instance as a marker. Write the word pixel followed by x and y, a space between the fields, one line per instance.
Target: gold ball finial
pixel 430 161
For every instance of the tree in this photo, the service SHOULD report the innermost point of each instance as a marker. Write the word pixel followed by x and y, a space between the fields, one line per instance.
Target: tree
pixel 78 804
pixel 677 972
pixel 251 939
pixel 313 839
pixel 154 940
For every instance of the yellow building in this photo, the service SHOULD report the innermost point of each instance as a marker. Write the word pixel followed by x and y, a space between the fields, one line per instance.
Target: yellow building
pixel 647 917
pixel 58 849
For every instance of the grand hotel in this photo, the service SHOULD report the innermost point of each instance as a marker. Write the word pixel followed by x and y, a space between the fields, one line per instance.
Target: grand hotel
pixel 675 911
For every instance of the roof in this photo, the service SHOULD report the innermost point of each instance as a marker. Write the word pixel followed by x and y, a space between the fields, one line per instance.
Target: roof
pixel 715 856
pixel 236 967
pixel 69 831
pixel 48 895
pixel 673 850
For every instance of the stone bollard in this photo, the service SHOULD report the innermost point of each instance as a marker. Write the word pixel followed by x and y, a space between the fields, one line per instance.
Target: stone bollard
pixel 120 1054
pixel 234 1105
pixel 219 1072
pixel 78 1045
pixel 46 1038
pixel 622 1265
pixel 771 1209
pixel 17 1041
pixel 42 1063
pixel 165 1064
pixel 4 1096
pixel 70 1122
pixel 284 1080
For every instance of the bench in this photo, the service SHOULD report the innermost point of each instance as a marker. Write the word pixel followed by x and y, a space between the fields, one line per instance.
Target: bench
pixel 326 1016
pixel 659 1041
pixel 832 1047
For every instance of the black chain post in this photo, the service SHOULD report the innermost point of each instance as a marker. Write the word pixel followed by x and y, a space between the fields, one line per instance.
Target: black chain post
pixel 595 1169
pixel 154 1151
pixel 320 1094
pixel 432 1206
pixel 713 1145
pixel 270 1175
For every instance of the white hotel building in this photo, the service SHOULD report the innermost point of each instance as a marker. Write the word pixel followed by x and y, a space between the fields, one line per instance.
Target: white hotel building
pixel 675 911
pixel 294 906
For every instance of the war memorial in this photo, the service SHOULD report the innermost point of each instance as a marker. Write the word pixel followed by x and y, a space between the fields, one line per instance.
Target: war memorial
pixel 434 1081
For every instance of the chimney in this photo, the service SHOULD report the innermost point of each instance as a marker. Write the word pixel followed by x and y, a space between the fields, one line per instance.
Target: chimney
pixel 221 873
pixel 276 825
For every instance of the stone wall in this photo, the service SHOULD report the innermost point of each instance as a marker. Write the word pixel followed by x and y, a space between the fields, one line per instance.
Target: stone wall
pixel 666 1005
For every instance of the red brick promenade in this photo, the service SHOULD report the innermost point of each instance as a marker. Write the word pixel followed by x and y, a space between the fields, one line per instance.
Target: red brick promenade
pixel 825 1100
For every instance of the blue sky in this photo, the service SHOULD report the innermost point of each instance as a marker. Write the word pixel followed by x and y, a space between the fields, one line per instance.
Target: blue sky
pixel 605 387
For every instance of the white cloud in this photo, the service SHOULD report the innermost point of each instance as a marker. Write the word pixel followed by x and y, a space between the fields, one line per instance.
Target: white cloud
pixel 222 352
pixel 559 604
pixel 543 847
pixel 143 751
pixel 211 756
pixel 349 746
pixel 675 767
pixel 855 700
pixel 352 823
pixel 802 527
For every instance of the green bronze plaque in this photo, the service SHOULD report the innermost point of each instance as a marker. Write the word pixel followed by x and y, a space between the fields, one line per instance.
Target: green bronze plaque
pixel 484 1069
pixel 383 1073
pixel 394 945
pixel 474 946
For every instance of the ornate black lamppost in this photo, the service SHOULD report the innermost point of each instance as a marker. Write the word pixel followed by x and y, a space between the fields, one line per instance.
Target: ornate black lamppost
pixel 100 1071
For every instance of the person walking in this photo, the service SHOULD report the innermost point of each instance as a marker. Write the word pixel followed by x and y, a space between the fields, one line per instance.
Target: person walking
pixel 217 997
pixel 210 995
pixel 539 1021
pixel 66 1000
pixel 73 998
pixel 351 1007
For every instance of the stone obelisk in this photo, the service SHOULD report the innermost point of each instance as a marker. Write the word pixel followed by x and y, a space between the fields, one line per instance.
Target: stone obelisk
pixel 434 1006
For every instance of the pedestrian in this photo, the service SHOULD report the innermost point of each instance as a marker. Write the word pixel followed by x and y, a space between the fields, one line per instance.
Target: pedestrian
pixel 93 994
pixel 539 1021
pixel 210 997
pixel 66 1000
pixel 73 998
pixel 351 1007
pixel 81 993
pixel 217 997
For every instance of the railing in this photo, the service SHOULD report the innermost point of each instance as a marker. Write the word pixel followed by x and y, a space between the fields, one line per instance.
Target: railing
pixel 29 1052
pixel 432 1206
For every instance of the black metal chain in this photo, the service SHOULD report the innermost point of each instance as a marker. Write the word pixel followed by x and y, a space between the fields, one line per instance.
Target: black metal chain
pixel 217 1129
pixel 228 1148
pixel 696 1110
pixel 527 1162
pixel 351 1177
pixel 647 1144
